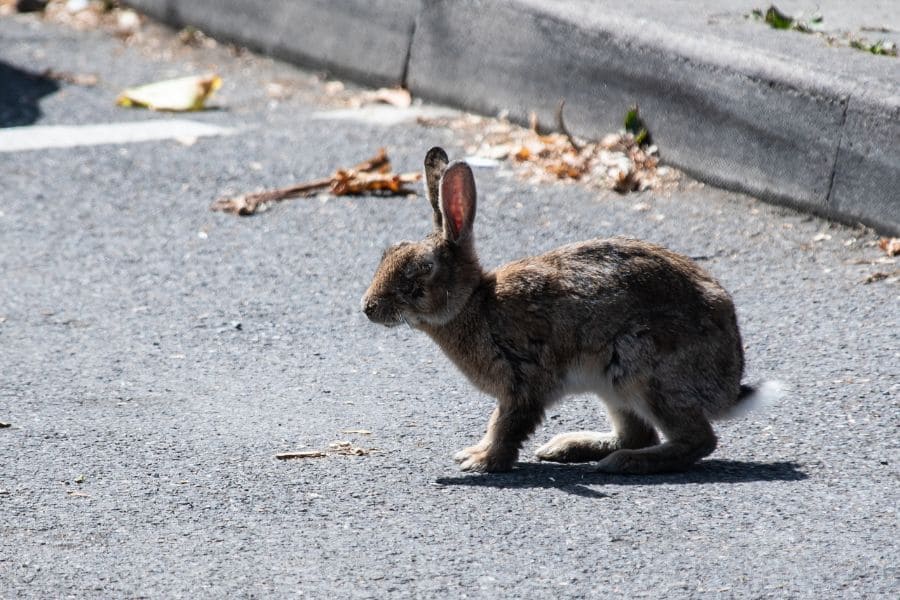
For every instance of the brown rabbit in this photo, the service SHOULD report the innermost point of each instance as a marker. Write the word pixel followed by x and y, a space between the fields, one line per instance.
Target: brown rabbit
pixel 643 327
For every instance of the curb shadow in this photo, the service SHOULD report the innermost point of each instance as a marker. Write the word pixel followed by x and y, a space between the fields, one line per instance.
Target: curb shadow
pixel 20 94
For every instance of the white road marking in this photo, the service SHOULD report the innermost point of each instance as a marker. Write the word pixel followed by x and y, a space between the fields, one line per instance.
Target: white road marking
pixel 38 137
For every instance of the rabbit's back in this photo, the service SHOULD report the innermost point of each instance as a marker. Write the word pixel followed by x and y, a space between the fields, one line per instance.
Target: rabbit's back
pixel 616 280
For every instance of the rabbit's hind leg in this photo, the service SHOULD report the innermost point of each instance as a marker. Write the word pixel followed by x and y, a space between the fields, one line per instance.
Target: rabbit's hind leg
pixel 689 437
pixel 629 431
pixel 578 446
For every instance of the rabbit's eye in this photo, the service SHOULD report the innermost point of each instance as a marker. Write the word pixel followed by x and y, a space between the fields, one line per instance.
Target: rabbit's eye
pixel 418 269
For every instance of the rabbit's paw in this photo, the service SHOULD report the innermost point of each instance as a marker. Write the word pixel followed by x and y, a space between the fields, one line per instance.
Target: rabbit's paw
pixel 578 446
pixel 465 453
pixel 627 462
pixel 487 461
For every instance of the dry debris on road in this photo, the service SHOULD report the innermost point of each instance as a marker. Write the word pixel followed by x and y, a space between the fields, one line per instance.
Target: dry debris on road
pixel 173 95
pixel 368 177
pixel 301 454
pixel 891 246
pixel 338 448
pixel 623 161
pixel 814 25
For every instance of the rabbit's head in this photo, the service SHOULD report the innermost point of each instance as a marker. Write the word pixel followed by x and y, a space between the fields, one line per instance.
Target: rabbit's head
pixel 431 280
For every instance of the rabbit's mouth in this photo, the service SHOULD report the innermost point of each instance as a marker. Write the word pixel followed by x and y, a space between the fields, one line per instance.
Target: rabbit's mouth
pixel 388 320
pixel 381 313
pixel 393 322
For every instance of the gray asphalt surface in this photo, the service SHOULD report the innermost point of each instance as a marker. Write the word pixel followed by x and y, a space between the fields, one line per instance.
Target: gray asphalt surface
pixel 122 362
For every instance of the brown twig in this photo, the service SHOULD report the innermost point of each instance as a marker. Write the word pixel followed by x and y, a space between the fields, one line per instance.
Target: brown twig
pixel 248 204
pixel 302 454
pixel 563 128
pixel 880 275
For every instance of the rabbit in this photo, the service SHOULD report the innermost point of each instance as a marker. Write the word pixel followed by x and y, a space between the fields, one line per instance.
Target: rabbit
pixel 642 327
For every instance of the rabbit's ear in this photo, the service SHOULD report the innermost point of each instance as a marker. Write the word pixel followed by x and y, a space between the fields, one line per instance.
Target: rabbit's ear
pixel 458 201
pixel 435 162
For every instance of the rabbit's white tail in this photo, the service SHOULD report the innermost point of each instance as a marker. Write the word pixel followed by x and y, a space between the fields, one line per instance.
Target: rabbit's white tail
pixel 756 397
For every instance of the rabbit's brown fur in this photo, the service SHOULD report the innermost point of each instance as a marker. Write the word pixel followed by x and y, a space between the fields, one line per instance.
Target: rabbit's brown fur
pixel 643 327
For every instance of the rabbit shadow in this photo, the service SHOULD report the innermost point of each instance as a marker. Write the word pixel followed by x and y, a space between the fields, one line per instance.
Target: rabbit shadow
pixel 573 478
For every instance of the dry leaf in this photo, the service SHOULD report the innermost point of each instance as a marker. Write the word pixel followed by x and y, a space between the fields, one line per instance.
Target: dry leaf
pixel 193 37
pixel 301 454
pixel 182 94
pixel 82 79
pixel 346 183
pixel 128 23
pixel 881 275
pixel 371 176
pixel 611 141
pixel 348 449
pixel 334 87
pixel 277 91
pixel 891 246
pixel 397 96
pixel 626 181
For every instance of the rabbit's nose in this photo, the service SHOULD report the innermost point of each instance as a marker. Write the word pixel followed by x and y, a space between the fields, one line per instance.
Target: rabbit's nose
pixel 369 306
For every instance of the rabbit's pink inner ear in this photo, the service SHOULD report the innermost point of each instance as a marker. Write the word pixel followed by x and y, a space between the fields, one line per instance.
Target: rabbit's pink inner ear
pixel 457 218
pixel 458 198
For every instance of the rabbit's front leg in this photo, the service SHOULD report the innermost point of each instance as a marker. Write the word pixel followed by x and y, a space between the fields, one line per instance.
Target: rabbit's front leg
pixel 481 446
pixel 510 424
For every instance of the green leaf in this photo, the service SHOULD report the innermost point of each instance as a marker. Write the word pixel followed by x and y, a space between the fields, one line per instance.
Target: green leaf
pixel 641 136
pixel 879 48
pixel 883 48
pixel 777 19
pixel 635 126
pixel 632 120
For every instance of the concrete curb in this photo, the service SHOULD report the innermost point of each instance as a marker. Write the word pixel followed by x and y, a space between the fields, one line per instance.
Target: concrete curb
pixel 778 123
pixel 364 40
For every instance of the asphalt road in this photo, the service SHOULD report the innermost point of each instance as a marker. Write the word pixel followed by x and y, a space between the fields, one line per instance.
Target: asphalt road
pixel 156 356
